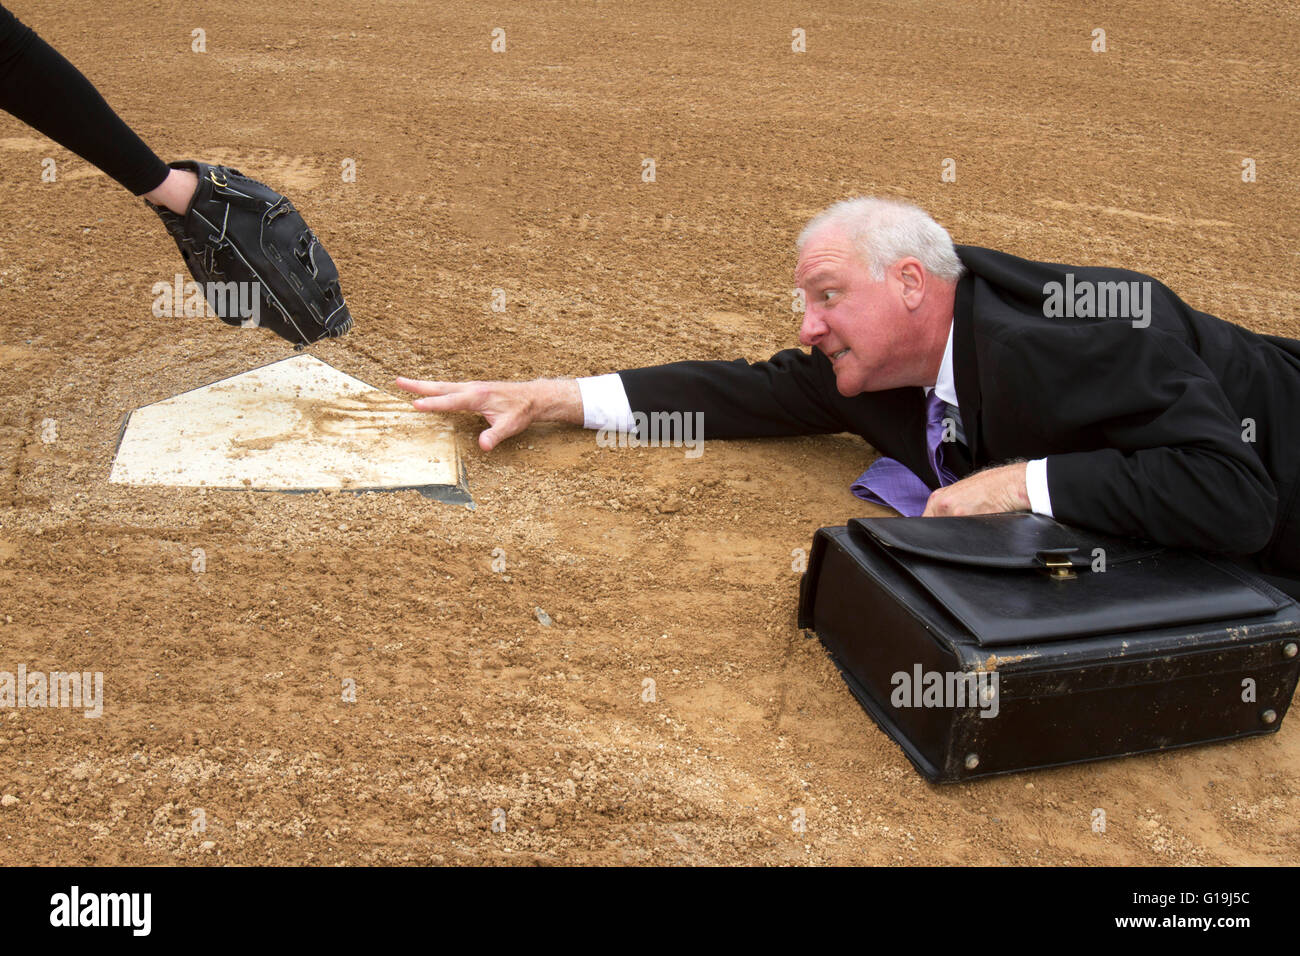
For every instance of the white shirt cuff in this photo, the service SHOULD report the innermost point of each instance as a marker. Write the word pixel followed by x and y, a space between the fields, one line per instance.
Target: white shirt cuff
pixel 605 404
pixel 1040 500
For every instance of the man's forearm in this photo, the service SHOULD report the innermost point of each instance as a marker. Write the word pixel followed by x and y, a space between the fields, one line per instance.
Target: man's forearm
pixel 555 400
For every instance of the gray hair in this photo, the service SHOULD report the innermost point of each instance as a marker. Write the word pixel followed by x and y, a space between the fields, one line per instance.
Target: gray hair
pixel 886 230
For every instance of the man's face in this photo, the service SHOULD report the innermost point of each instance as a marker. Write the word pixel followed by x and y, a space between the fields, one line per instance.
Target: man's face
pixel 859 323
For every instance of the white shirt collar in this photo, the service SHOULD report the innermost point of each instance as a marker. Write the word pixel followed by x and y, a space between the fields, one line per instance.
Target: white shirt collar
pixel 945 384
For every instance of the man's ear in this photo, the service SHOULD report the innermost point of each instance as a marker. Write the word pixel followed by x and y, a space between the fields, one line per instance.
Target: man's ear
pixel 912 278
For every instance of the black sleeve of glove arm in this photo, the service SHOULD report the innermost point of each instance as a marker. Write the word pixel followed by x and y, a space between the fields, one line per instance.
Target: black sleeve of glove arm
pixel 41 88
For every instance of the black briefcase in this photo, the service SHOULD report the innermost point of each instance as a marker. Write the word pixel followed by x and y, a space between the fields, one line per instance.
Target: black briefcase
pixel 998 643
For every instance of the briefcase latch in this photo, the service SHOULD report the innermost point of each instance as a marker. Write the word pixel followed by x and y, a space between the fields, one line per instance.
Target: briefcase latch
pixel 1057 564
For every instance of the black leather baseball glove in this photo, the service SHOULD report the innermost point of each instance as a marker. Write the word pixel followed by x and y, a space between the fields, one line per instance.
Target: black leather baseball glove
pixel 255 257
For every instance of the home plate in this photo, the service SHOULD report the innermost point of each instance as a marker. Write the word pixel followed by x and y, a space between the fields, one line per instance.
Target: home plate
pixel 294 425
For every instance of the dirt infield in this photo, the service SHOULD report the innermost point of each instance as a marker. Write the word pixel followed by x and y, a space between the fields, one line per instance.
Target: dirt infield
pixel 523 171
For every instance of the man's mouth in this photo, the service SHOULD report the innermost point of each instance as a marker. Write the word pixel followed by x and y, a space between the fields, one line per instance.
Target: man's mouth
pixel 836 356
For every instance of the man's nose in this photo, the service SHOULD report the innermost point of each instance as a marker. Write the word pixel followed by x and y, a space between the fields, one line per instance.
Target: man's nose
pixel 813 329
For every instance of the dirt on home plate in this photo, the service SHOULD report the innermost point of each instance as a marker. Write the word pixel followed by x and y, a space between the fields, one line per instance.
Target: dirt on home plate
pixel 224 737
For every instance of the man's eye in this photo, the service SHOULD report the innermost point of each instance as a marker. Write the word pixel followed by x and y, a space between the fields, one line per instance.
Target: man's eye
pixel 828 293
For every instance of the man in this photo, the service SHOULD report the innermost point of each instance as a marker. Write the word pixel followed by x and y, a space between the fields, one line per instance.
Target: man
pixel 993 384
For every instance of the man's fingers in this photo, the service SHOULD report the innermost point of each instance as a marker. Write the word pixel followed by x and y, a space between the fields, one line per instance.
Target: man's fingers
pixel 937 505
pixel 502 429
pixel 468 400
pixel 419 386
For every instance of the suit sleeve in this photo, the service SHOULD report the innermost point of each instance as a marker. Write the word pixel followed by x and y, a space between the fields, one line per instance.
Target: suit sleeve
pixel 792 393
pixel 1161 454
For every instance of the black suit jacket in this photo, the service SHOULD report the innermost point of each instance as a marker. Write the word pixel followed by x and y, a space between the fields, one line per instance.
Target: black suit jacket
pixel 1146 431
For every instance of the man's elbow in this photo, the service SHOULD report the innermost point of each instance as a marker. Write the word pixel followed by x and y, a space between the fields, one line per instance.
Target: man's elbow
pixel 1247 519
pixel 1255 534
pixel 1249 536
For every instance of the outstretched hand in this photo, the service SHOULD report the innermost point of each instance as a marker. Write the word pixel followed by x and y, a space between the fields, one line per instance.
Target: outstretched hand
pixel 509 407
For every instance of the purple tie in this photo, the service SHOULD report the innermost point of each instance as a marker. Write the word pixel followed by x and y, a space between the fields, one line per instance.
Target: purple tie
pixel 890 482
